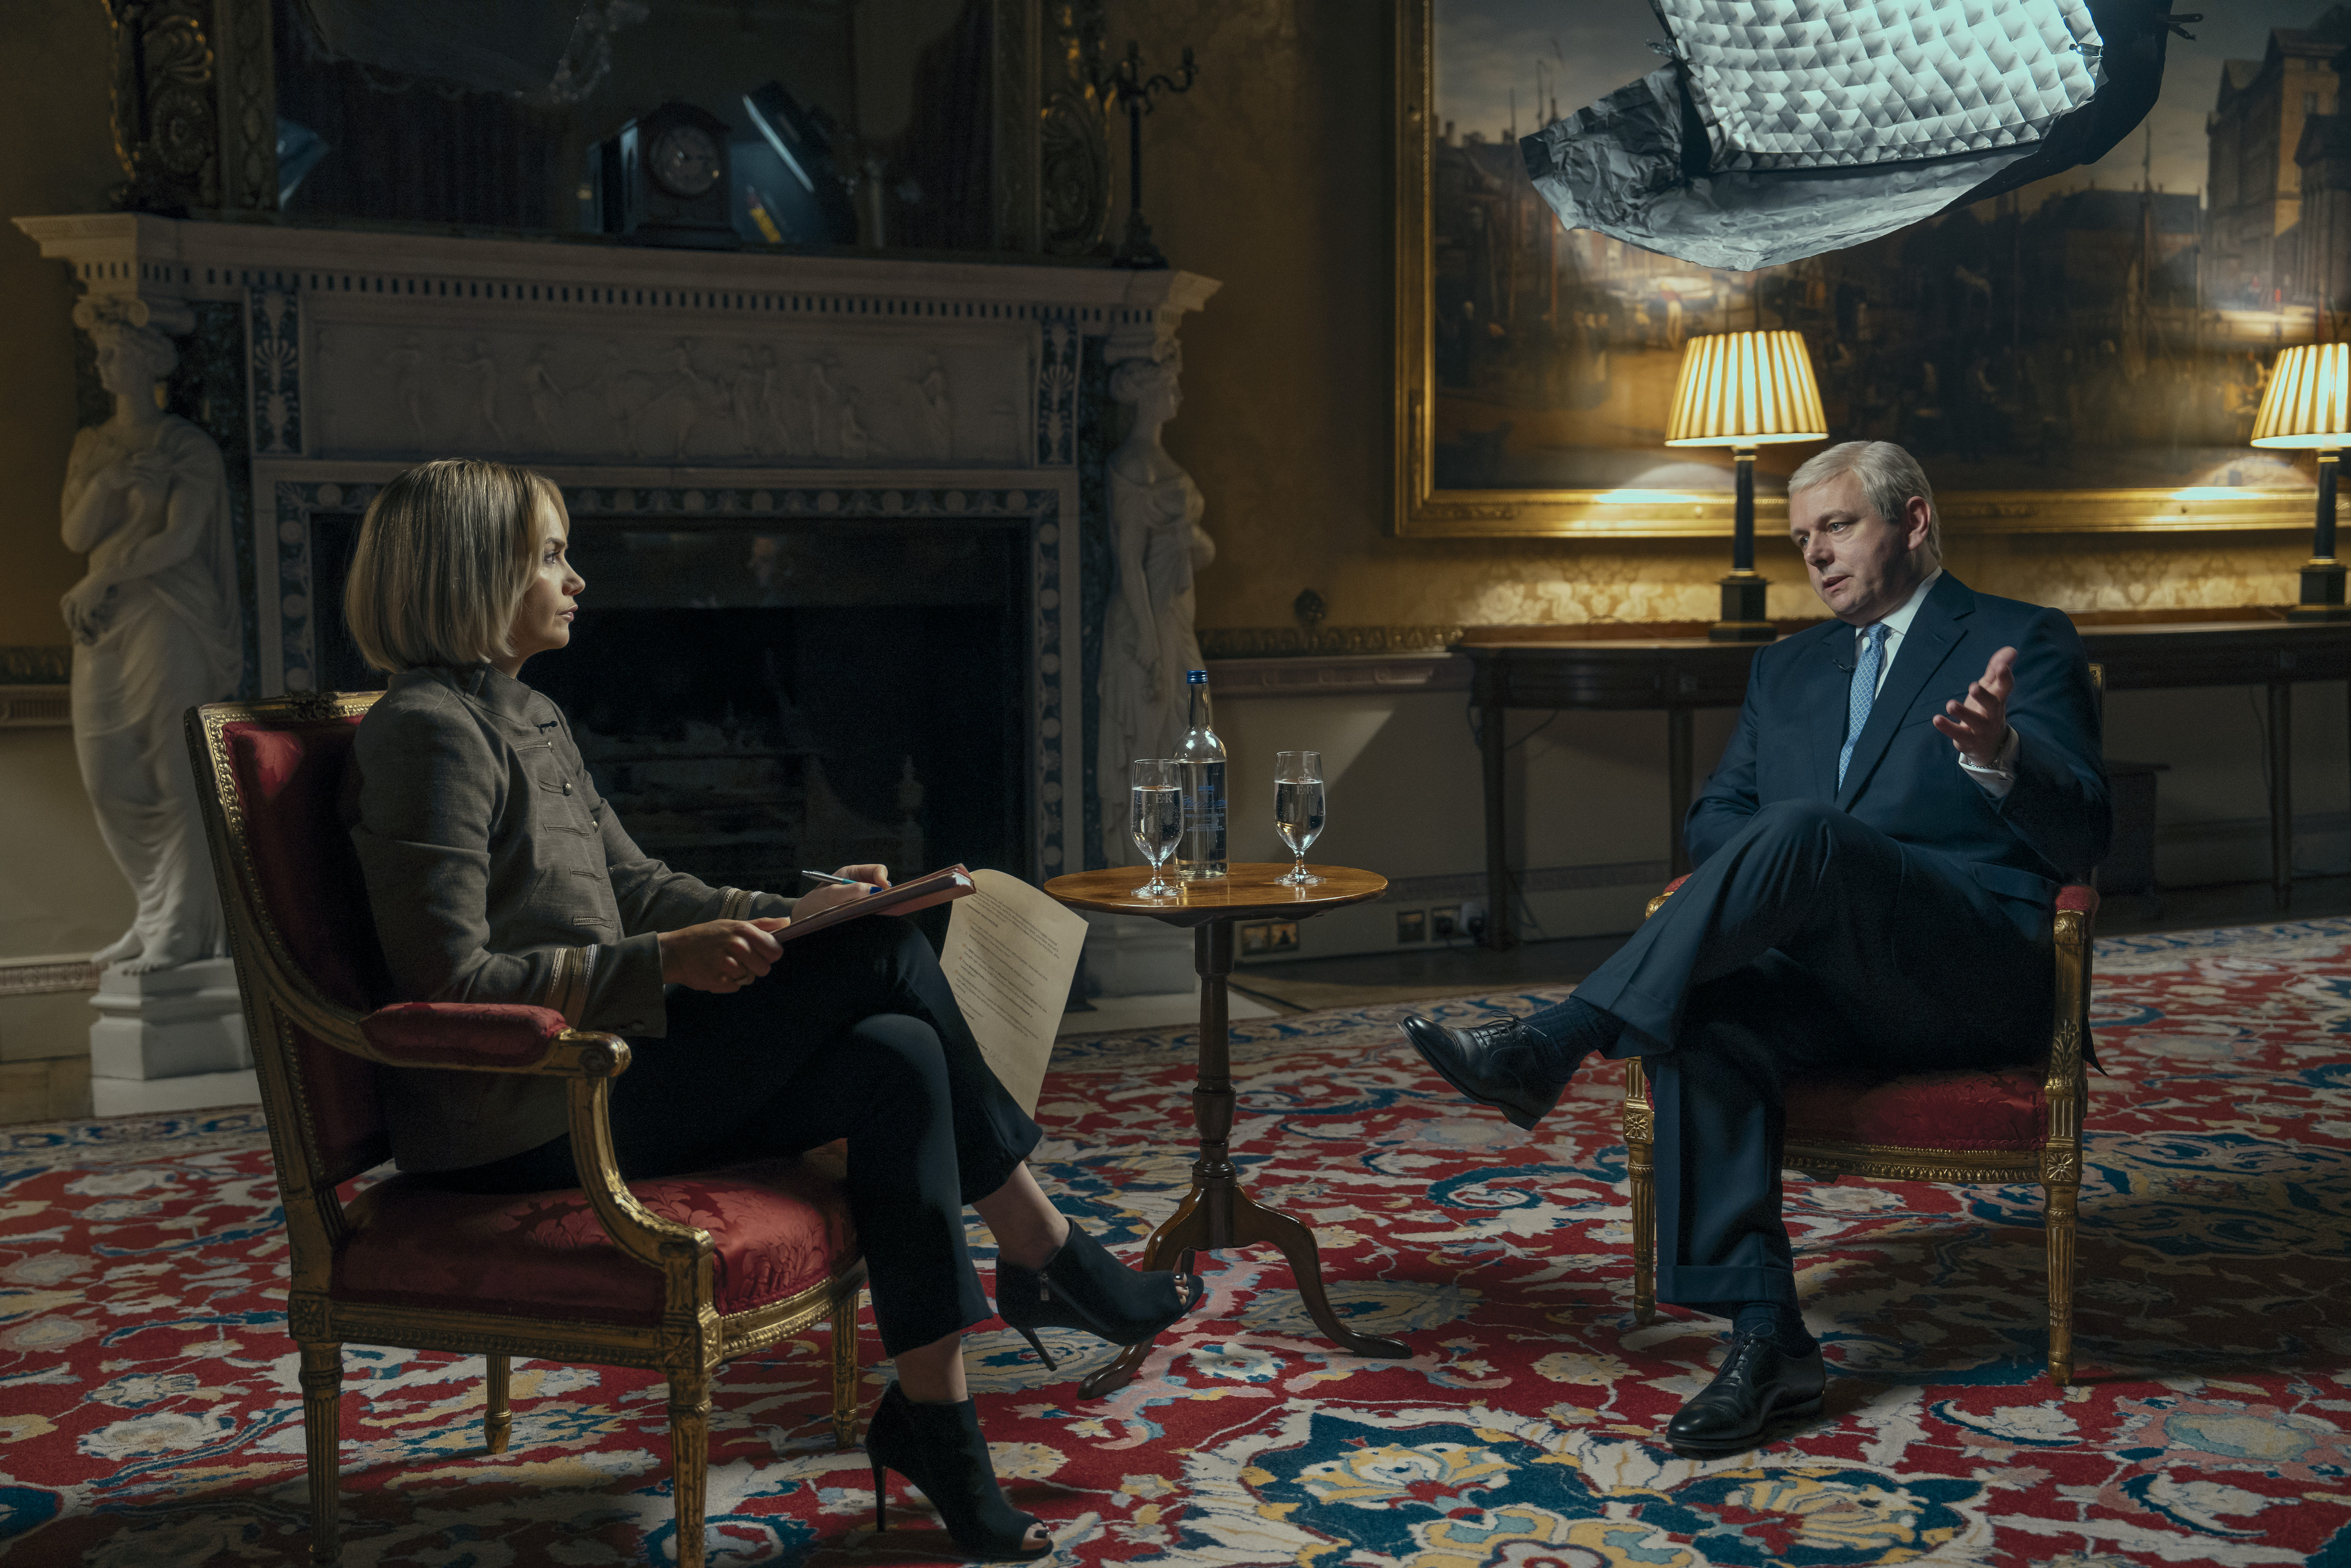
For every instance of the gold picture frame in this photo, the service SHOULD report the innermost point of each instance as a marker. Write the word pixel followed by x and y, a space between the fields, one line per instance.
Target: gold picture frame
pixel 1423 509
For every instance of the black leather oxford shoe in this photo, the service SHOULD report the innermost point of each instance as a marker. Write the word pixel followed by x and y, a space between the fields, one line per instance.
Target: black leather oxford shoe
pixel 1760 1384
pixel 1500 1063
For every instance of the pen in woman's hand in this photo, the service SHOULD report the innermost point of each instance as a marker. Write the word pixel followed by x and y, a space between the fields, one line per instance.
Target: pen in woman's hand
pixel 828 876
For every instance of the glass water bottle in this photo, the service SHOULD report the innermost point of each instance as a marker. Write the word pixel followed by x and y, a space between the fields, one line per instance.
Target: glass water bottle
pixel 1202 756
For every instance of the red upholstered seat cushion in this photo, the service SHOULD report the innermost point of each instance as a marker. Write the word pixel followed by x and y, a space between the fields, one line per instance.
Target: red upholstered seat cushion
pixel 2002 1109
pixel 781 1226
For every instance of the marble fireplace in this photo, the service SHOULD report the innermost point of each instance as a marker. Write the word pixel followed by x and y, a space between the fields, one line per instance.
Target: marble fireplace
pixel 768 459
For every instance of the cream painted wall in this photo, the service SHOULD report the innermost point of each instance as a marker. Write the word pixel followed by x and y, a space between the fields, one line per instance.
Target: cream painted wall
pixel 1400 775
pixel 59 892
pixel 52 111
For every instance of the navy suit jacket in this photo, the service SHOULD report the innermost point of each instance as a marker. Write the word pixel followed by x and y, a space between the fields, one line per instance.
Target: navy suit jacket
pixel 1905 778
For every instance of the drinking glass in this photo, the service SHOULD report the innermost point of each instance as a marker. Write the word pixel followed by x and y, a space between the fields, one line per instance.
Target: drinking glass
pixel 1158 820
pixel 1298 808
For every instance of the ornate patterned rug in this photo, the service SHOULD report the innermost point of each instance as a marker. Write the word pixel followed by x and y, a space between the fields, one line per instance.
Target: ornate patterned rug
pixel 148 1415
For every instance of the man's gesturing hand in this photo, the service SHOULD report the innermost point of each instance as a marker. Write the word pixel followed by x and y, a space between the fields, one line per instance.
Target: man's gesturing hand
pixel 1979 725
pixel 719 955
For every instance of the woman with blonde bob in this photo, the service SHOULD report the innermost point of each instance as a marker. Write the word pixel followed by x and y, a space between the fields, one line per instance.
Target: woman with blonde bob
pixel 496 874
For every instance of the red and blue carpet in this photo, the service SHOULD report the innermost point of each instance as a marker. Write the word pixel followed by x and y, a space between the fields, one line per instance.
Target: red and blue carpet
pixel 149 1418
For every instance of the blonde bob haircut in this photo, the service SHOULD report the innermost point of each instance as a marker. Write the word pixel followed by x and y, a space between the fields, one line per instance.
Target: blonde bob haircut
pixel 446 552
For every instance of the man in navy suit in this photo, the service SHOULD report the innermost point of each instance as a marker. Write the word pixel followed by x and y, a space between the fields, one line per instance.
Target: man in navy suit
pixel 1877 857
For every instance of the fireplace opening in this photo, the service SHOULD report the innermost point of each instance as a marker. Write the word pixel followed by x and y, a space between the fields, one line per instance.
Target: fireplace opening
pixel 753 703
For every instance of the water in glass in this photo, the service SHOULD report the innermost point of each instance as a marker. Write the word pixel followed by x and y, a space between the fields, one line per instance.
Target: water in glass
pixel 1158 820
pixel 1298 808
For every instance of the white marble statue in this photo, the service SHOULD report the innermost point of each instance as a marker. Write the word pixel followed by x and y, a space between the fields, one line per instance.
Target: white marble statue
pixel 155 631
pixel 1148 642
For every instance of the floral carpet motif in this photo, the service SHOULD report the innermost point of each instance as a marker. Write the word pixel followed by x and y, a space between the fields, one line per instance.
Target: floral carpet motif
pixel 148 1415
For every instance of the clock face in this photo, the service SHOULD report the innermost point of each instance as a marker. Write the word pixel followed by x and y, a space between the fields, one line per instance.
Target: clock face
pixel 686 161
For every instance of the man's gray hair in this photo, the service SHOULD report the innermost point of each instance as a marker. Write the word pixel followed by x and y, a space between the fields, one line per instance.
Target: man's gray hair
pixel 1890 476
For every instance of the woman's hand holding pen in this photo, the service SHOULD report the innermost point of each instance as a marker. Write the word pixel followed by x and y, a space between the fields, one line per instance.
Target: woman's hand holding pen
pixel 728 955
pixel 857 881
pixel 720 955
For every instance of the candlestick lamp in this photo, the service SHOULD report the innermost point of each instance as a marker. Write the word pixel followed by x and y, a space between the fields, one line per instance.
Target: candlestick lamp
pixel 2308 403
pixel 1741 390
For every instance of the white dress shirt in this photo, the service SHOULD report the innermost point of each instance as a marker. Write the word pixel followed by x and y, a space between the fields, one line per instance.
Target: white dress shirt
pixel 1998 779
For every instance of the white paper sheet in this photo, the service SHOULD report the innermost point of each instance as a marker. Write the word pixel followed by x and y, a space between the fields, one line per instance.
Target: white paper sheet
pixel 1011 952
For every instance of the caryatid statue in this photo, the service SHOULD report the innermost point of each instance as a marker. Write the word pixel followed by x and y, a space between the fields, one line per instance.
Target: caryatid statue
pixel 155 629
pixel 1148 641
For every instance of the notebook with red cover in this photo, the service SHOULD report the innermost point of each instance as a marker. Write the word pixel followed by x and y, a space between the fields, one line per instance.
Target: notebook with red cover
pixel 904 898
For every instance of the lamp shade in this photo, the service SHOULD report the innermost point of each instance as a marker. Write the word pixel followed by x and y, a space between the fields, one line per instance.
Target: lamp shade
pixel 1744 389
pixel 2308 403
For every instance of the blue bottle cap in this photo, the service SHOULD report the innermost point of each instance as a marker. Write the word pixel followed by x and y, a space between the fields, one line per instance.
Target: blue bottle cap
pixel 1197 678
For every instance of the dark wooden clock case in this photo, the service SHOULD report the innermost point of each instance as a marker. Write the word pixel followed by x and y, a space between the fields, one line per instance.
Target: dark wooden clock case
pixel 635 206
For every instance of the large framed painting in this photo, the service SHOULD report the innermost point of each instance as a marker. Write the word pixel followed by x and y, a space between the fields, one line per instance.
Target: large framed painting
pixel 2083 354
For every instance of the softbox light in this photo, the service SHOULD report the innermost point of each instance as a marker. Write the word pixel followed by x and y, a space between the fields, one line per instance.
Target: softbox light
pixel 1785 127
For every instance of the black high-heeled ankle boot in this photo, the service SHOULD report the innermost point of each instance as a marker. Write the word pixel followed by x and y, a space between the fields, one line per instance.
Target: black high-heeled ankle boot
pixel 1084 1286
pixel 940 1449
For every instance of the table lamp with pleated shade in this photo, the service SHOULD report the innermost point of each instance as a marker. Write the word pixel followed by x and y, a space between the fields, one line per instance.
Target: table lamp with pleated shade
pixel 1741 390
pixel 2308 405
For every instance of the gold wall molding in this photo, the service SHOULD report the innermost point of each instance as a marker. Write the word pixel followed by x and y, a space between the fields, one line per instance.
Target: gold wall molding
pixel 52 975
pixel 1294 642
pixel 36 707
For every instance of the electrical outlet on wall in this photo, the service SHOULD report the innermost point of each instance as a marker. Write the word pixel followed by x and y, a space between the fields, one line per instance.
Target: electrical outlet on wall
pixel 1263 938
pixel 1411 926
pixel 1445 922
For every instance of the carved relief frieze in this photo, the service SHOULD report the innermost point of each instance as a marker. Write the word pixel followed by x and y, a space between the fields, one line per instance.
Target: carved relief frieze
pixel 275 334
pixel 1057 395
pixel 381 388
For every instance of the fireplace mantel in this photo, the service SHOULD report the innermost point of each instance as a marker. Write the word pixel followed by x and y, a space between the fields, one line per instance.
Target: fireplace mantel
pixel 707 389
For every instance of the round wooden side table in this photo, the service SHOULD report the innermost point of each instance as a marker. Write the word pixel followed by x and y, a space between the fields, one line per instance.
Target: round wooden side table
pixel 1217 1213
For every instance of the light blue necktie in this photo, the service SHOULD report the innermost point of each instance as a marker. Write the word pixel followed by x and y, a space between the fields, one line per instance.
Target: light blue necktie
pixel 1865 691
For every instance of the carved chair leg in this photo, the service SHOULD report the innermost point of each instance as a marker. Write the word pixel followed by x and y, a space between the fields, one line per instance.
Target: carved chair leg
pixel 689 1442
pixel 1639 1135
pixel 497 1421
pixel 2059 1210
pixel 1644 1236
pixel 845 1369
pixel 322 1432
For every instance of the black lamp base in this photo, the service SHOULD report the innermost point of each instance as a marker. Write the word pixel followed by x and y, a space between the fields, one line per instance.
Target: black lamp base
pixel 1743 620
pixel 2322 592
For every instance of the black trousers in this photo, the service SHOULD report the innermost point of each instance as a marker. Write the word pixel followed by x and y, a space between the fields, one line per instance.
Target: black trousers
pixel 853 1034
pixel 1810 941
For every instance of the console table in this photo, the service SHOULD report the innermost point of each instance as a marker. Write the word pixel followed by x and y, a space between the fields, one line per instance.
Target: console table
pixel 1681 675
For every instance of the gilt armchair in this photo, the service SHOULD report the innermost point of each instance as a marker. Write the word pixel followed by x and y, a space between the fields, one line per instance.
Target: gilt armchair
pixel 679 1276
pixel 2006 1124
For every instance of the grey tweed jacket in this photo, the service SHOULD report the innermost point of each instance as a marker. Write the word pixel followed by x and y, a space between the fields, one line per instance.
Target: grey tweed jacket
pixel 496 874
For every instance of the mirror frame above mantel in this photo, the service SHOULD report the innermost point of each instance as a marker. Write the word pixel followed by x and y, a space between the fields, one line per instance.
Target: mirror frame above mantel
pixel 1423 510
pixel 195 118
